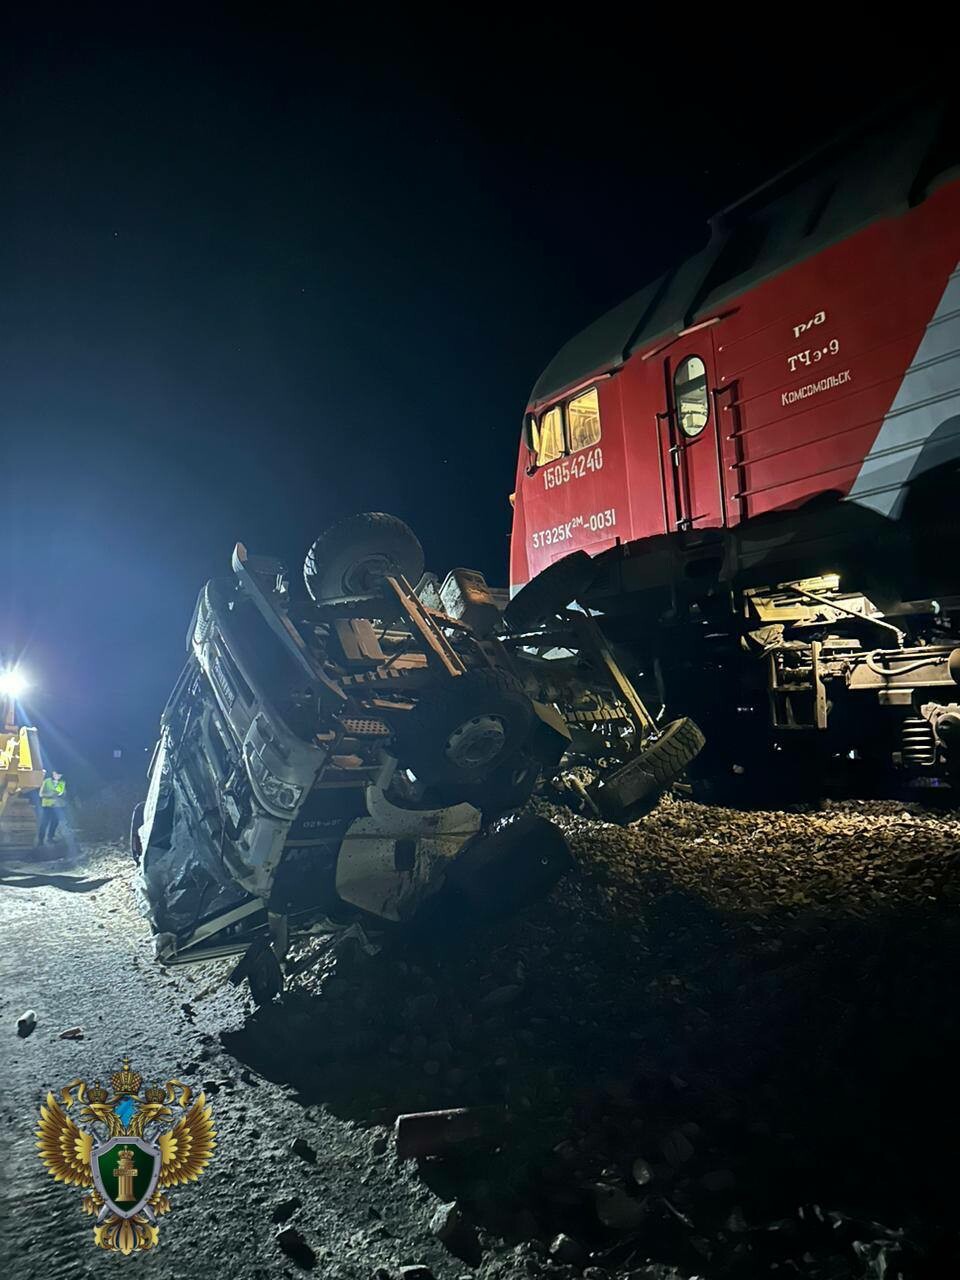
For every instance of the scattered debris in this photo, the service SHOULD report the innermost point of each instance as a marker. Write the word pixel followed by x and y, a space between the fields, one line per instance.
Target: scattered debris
pixel 677 1148
pixel 300 1147
pixel 566 1249
pixel 447 1221
pixel 425 1133
pixel 618 1210
pixel 642 1171
pixel 660 1271
pixel 295 1246
pixel 285 1210
pixel 26 1023
pixel 452 1227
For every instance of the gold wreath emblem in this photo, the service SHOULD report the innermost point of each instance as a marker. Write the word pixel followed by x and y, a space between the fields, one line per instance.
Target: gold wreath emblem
pixel 168 1157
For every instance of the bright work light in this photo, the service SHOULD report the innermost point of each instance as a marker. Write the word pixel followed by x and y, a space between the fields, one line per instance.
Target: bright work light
pixel 12 683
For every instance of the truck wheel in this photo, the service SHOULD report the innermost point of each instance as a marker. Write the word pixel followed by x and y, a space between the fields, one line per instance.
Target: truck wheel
pixel 352 558
pixel 634 789
pixel 499 874
pixel 475 724
pixel 136 822
pixel 550 591
pixel 508 787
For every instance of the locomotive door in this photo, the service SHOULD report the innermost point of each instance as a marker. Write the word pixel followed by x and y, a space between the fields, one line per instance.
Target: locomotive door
pixel 689 436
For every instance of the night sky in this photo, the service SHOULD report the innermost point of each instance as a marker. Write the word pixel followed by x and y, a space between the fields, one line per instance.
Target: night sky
pixel 256 278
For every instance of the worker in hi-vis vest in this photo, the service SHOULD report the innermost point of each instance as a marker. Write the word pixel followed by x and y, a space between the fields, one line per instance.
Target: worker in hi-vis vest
pixel 52 792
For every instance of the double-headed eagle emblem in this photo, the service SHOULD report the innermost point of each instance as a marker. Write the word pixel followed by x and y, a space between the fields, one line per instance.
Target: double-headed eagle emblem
pixel 130 1154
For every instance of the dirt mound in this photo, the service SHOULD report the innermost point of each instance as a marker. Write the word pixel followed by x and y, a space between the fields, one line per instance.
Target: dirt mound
pixel 726 1045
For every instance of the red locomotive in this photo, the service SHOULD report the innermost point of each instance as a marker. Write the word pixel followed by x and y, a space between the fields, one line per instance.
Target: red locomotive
pixel 759 451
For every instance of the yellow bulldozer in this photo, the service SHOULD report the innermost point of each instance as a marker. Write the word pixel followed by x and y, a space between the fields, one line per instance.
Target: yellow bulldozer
pixel 21 769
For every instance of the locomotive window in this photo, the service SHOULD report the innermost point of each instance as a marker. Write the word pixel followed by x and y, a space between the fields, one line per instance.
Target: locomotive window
pixel 530 432
pixel 550 436
pixel 583 420
pixel 690 396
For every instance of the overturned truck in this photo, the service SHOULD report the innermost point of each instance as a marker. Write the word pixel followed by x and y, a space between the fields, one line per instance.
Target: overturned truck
pixel 361 751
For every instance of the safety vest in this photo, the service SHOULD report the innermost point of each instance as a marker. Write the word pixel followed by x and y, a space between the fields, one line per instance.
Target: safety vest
pixel 52 793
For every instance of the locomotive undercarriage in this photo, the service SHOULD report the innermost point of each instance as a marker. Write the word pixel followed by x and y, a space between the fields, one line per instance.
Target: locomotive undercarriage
pixel 805 686
pixel 880 689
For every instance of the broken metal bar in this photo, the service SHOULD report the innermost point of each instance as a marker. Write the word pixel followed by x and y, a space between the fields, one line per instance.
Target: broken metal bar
pixel 436 642
pixel 584 624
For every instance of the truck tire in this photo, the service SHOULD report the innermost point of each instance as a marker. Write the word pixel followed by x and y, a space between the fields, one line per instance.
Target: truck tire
pixel 499 874
pixel 550 591
pixel 506 788
pixel 632 790
pixel 136 822
pixel 354 557
pixel 470 727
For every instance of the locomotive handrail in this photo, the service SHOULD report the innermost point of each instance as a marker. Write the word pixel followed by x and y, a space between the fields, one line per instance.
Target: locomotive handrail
pixel 721 478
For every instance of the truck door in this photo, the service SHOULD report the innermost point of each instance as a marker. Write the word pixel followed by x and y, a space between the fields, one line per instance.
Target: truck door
pixel 689 436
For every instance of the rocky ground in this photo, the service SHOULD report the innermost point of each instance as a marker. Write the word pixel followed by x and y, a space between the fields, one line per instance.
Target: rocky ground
pixel 725 1047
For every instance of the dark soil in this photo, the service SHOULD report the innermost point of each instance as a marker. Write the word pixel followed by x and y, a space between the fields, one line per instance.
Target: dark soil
pixel 753 1005
pixel 724 1047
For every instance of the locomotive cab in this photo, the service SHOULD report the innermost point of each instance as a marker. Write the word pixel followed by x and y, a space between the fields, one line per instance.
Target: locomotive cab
pixel 781 409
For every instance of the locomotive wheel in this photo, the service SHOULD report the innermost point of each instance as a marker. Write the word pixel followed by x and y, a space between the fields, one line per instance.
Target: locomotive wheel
pixel 472 728
pixel 354 557
pixel 550 591
pixel 634 789
pixel 136 822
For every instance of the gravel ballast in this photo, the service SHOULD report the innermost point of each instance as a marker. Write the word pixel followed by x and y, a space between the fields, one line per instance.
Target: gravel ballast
pixel 754 1010
pixel 725 1046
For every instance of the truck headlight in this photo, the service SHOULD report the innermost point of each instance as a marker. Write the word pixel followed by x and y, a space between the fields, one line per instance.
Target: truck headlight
pixel 285 795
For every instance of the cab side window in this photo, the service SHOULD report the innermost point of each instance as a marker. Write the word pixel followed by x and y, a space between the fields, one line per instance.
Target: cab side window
pixel 549 436
pixel 690 396
pixel 583 420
